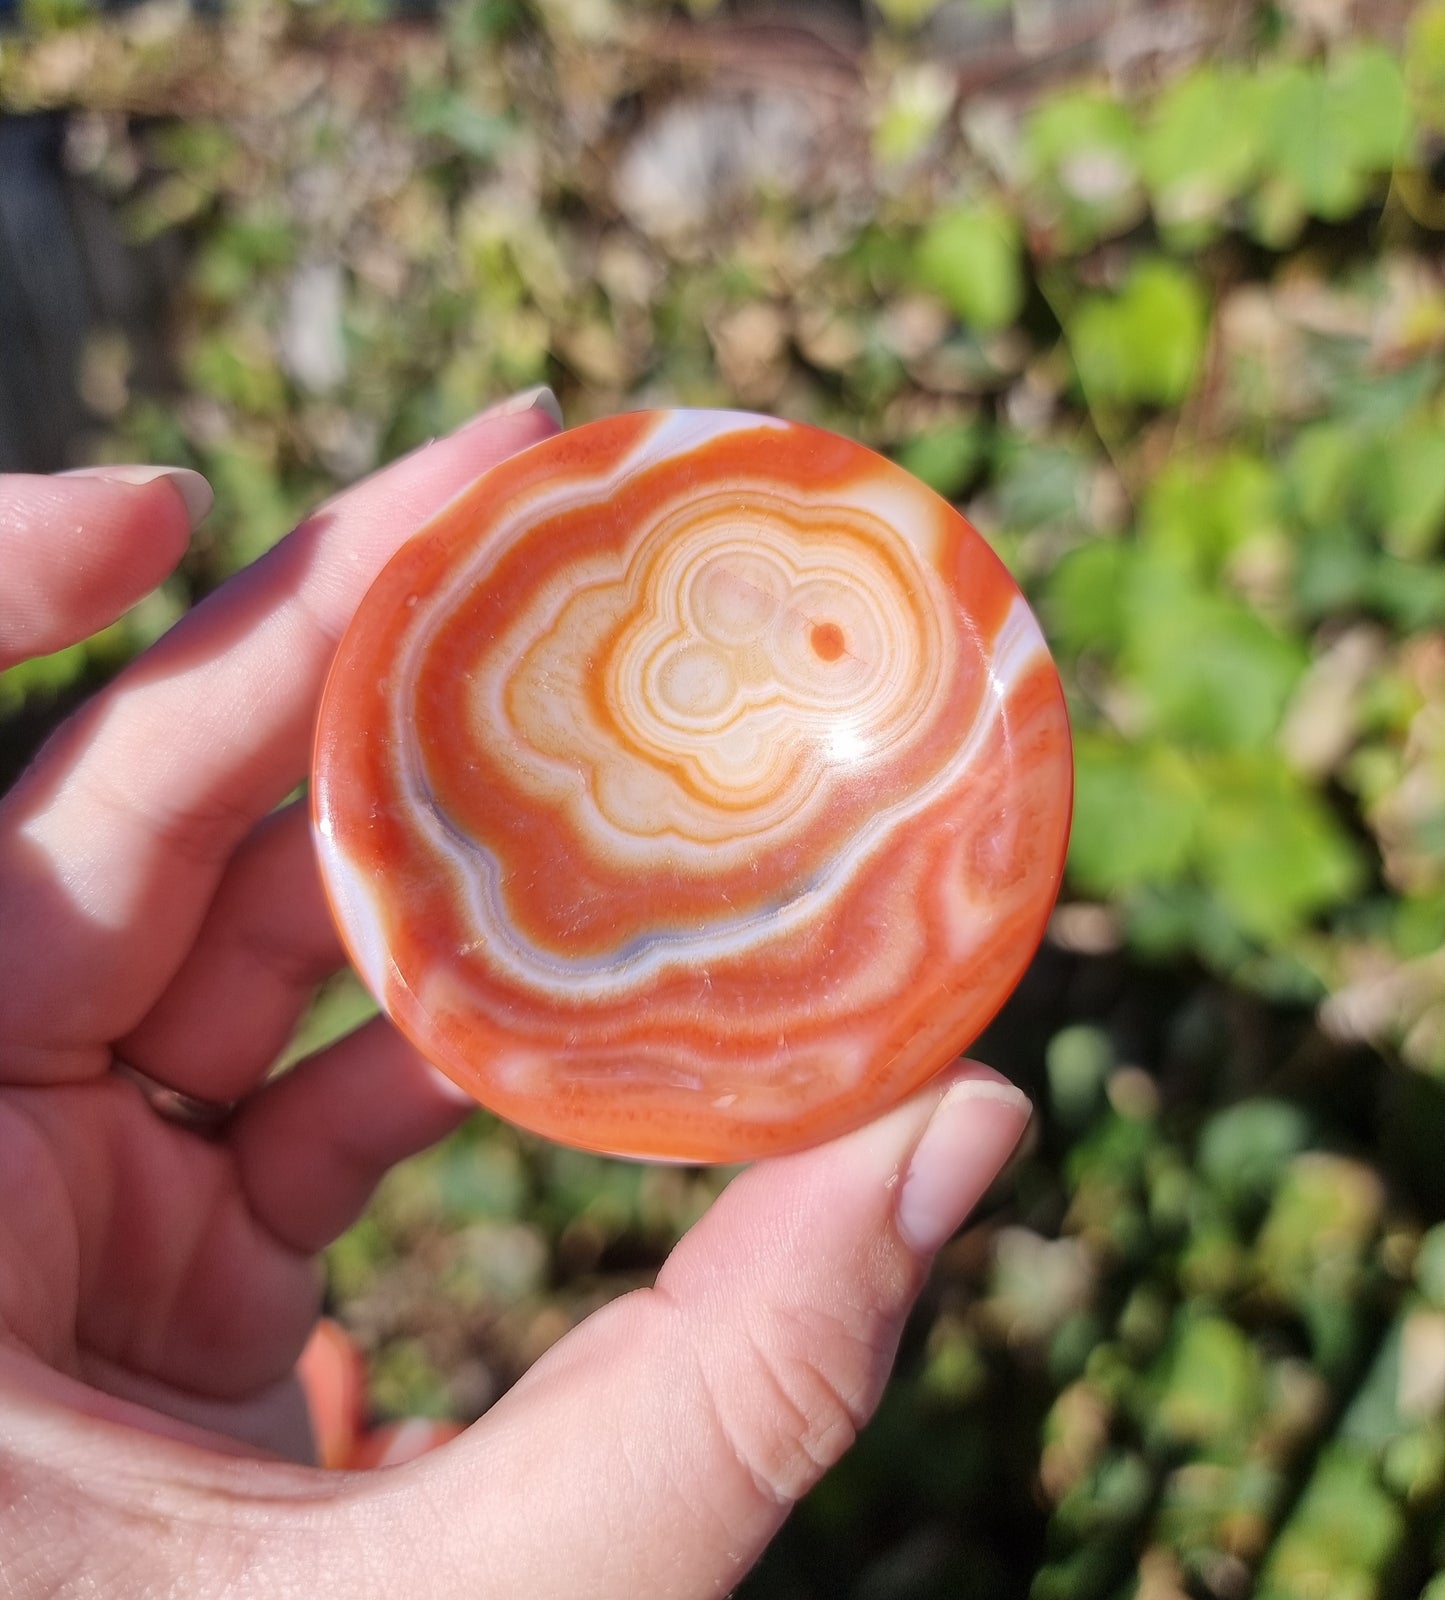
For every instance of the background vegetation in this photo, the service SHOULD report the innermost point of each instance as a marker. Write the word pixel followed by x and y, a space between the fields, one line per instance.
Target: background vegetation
pixel 1154 292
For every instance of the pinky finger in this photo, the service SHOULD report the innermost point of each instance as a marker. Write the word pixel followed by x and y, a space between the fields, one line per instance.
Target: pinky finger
pixel 79 549
pixel 312 1145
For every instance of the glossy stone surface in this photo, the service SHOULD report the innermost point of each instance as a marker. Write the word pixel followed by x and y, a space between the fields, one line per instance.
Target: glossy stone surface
pixel 694 787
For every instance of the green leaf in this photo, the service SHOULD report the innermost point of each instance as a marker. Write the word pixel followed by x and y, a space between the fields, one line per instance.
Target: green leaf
pixel 480 1178
pixel 1322 471
pixel 1412 593
pixel 254 507
pixel 915 107
pixel 905 15
pixel 1367 96
pixel 1405 488
pixel 1342 1536
pixel 240 251
pixel 1202 146
pixel 1424 62
pixel 1039 484
pixel 1208 1505
pixel 41 676
pixel 1200 510
pixel 447 115
pixel 1329 132
pixel 39 17
pixel 1081 162
pixel 1145 343
pixel 1078 120
pixel 1308 149
pixel 405 1381
pixel 1321 1229
pixel 1270 848
pixel 1136 812
pixel 1419 924
pixel 969 257
pixel 1334 570
pixel 1373 1418
pixel 1113 1495
pixel 1078 1060
pixel 1243 1151
pixel 1376 401
pixel 945 458
pixel 243 372
pixel 1430 1265
pixel 1214 1388
pixel 1083 603
pixel 1209 670
pixel 202 151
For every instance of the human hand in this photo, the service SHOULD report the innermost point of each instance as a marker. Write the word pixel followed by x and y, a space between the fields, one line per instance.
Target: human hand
pixel 162 928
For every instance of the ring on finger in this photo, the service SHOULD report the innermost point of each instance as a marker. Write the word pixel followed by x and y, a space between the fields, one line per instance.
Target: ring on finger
pixel 173 1105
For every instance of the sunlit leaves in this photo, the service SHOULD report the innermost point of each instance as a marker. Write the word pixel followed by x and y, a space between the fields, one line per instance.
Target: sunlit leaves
pixel 1214 1389
pixel 1245 828
pixel 1243 1150
pixel 1272 851
pixel 1405 488
pixel 1081 154
pixel 969 256
pixel 1083 311
pixel 1202 511
pixel 1424 63
pixel 1142 345
pixel 1327 133
pixel 1206 669
pixel 946 457
pixel 1136 816
pixel 449 117
pixel 1084 599
pixel 1202 148
pixel 1342 1535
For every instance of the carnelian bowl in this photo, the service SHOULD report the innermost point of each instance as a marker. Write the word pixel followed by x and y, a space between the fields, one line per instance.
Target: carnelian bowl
pixel 694 787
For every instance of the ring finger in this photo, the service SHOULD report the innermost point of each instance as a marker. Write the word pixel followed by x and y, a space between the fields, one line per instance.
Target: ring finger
pixel 266 942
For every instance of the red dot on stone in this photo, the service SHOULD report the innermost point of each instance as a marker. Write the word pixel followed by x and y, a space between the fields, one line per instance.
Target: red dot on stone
pixel 827 640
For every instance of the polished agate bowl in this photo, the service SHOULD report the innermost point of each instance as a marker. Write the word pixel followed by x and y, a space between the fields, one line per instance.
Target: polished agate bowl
pixel 693 787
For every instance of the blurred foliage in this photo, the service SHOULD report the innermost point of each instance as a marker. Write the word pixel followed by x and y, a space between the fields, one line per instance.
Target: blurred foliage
pixel 1156 297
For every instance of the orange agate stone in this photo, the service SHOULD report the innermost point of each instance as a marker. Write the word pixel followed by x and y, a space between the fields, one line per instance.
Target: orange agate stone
pixel 693 787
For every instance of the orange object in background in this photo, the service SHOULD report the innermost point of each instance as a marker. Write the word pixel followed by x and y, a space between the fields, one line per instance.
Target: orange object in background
pixel 395 1443
pixel 333 1378
pixel 694 787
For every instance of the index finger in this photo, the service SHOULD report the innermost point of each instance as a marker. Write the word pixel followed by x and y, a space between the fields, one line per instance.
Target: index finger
pixel 78 548
pixel 112 843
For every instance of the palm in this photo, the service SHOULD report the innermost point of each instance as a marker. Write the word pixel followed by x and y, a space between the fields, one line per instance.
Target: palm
pixel 157 1282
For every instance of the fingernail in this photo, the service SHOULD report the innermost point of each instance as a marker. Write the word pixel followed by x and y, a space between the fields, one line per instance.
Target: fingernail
pixel 971 1134
pixel 191 486
pixel 539 399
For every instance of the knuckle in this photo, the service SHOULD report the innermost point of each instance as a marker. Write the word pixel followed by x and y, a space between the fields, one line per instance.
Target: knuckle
pixel 811 1381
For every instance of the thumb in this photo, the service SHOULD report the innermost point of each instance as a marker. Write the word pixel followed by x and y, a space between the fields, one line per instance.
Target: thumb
pixel 658 1448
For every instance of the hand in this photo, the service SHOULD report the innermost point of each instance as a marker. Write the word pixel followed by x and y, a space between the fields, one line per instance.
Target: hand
pixel 162 928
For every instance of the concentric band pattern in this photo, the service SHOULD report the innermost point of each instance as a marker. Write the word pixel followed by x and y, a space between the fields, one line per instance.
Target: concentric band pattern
pixel 693 787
